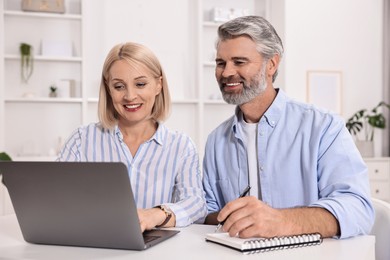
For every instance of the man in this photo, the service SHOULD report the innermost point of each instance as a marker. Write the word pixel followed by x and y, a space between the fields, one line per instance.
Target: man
pixel 305 172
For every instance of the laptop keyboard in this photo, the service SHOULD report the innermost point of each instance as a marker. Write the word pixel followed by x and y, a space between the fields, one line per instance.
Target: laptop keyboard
pixel 148 238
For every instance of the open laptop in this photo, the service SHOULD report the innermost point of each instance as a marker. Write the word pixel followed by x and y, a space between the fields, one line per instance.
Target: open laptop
pixel 87 204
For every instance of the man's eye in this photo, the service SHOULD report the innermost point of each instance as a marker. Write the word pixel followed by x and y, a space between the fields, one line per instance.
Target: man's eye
pixel 220 64
pixel 239 62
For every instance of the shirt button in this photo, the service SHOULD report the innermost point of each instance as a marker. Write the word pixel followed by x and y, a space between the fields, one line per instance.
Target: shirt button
pixel 261 133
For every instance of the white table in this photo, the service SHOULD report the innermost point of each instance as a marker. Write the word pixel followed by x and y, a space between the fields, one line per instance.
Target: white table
pixel 188 244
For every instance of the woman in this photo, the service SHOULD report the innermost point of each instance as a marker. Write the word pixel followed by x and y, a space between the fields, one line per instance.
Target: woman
pixel 163 165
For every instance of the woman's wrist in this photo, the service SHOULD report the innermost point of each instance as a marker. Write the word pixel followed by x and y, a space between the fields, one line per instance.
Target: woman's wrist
pixel 167 213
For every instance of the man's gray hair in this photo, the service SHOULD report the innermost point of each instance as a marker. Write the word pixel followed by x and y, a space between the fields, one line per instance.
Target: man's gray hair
pixel 259 30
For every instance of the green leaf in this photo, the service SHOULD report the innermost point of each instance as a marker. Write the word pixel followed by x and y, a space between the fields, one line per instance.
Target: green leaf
pixel 5 157
pixel 378 121
pixel 366 119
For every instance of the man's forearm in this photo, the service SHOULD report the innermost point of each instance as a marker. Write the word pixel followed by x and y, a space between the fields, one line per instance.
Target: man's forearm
pixel 310 220
pixel 294 221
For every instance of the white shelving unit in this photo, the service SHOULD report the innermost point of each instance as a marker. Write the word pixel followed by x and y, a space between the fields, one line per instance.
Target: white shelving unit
pixel 212 109
pixel 32 123
pixel 31 127
pixel 379 176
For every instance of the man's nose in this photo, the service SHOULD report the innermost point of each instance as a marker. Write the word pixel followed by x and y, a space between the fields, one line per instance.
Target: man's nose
pixel 229 70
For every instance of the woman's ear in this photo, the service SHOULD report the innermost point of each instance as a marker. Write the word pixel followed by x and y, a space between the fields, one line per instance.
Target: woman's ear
pixel 159 85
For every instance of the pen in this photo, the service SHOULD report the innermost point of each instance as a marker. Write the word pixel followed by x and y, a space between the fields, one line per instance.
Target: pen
pixel 243 194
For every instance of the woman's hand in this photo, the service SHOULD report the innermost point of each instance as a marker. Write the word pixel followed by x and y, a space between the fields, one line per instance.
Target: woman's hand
pixel 149 218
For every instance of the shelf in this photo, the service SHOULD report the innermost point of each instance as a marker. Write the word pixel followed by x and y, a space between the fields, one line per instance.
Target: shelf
pixel 42 15
pixel 93 100
pixel 185 101
pixel 37 158
pixel 45 58
pixel 196 109
pixel 209 64
pixel 212 24
pixel 177 101
pixel 43 100
pixel 215 102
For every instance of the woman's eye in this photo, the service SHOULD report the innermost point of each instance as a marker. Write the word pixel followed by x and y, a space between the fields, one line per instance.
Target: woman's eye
pixel 119 86
pixel 140 84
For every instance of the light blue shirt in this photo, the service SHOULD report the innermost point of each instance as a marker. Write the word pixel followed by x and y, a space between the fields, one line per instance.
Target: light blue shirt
pixel 165 169
pixel 306 157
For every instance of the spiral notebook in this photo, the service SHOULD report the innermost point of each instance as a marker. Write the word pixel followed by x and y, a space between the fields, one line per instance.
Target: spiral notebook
pixel 257 245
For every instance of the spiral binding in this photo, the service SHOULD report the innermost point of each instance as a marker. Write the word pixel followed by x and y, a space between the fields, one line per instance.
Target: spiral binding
pixel 276 243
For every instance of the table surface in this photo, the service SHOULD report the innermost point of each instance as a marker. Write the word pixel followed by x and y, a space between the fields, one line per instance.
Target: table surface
pixel 189 243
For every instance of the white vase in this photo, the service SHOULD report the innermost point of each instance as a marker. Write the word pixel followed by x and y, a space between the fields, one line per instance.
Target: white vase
pixel 366 148
pixel 52 94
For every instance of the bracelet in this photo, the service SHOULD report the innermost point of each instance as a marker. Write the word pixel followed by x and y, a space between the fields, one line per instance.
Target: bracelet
pixel 168 215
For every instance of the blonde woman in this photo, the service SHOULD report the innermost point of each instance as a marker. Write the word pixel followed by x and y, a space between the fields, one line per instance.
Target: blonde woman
pixel 163 165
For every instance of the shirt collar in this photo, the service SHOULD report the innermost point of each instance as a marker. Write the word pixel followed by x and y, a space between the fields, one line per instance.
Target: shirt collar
pixel 157 137
pixel 273 113
pixel 159 134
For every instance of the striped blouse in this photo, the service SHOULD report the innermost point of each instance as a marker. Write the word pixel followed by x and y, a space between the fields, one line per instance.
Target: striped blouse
pixel 165 169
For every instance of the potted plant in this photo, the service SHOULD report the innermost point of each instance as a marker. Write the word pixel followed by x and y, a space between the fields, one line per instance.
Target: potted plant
pixel 53 91
pixel 367 121
pixel 26 61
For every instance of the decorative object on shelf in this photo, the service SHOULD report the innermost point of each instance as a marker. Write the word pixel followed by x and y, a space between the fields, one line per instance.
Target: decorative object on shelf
pixel 63 88
pixel 220 14
pixel 367 120
pixel 66 88
pixel 49 6
pixel 53 91
pixel 28 95
pixel 26 61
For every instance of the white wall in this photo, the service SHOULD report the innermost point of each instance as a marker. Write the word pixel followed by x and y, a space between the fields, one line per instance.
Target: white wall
pixel 336 35
pixel 163 26
pixel 331 35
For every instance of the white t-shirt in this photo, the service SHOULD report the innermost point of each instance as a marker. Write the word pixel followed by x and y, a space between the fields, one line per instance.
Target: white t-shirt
pixel 248 132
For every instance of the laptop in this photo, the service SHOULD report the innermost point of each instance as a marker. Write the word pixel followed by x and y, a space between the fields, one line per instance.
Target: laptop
pixel 88 204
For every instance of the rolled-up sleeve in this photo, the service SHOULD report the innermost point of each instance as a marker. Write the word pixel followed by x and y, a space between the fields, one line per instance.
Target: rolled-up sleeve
pixel 189 205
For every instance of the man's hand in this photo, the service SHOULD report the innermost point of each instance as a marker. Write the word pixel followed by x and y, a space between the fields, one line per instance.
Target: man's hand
pixel 250 217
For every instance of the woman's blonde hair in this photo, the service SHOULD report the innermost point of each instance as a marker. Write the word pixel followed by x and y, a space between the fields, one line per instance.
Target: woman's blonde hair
pixel 133 53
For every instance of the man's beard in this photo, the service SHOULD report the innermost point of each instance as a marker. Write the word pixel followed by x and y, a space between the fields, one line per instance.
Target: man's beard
pixel 256 86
